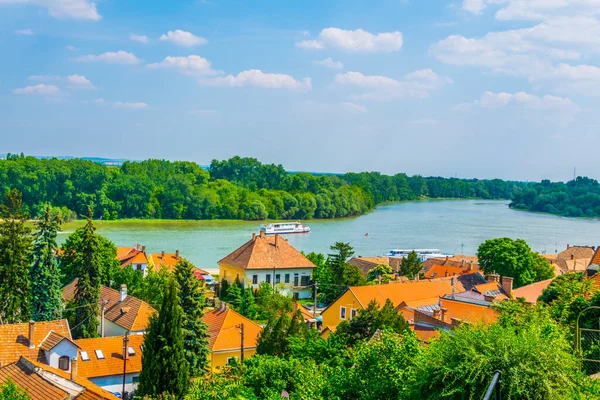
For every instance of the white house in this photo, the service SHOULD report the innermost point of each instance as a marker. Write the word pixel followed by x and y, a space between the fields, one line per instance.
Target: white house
pixel 134 257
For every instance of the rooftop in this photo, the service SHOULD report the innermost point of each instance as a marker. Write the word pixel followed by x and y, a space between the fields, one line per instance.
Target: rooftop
pixel 170 260
pixel 109 360
pixel 530 293
pixel 365 264
pixel 224 332
pixel 132 255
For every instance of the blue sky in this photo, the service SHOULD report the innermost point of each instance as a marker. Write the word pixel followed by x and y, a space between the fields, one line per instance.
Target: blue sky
pixel 472 88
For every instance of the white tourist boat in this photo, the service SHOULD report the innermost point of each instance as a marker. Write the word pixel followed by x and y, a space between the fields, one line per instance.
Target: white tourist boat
pixel 424 254
pixel 284 228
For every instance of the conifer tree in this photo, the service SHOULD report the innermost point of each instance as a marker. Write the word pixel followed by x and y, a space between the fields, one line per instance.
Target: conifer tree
pixel 15 256
pixel 165 371
pixel 248 307
pixel 191 300
pixel 46 293
pixel 87 266
pixel 234 295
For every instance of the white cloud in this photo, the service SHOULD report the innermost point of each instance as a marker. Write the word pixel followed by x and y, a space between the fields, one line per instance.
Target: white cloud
pixel 462 107
pixel 526 100
pixel 190 65
pixel 183 38
pixel 417 84
pixel 130 105
pixel 41 88
pixel 72 48
pixel 24 32
pixel 111 57
pixel 74 9
pixel 98 101
pixel 355 41
pixel 139 38
pixel 344 106
pixel 255 77
pixel 44 78
pixel 353 107
pixel 79 82
pixel 474 6
pixel 329 63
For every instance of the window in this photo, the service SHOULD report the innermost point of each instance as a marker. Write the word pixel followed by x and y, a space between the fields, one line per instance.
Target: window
pixel 230 359
pixel 296 280
pixel 287 278
pixel 99 354
pixel 131 351
pixel 343 313
pixel 84 356
pixel 277 278
pixel 268 278
pixel 63 363
pixel 352 313
pixel 304 281
pixel 136 379
pixel 254 279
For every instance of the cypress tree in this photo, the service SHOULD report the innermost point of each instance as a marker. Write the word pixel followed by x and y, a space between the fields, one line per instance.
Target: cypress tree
pixel 46 294
pixel 87 290
pixel 248 307
pixel 15 256
pixel 165 371
pixel 191 300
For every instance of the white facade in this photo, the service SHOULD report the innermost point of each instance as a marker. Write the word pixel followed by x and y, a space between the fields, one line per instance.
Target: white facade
pixel 63 349
pixel 140 267
pixel 114 383
pixel 294 281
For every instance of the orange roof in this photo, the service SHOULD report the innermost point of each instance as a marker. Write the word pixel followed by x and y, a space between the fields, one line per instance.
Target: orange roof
pixel 168 260
pixel 405 291
pixel 112 348
pixel 132 314
pixel 131 255
pixel 458 260
pixel 91 392
pixel 307 315
pixel 425 333
pixel 37 387
pixel 440 271
pixel 267 252
pixel 531 292
pixel 469 312
pixel 52 340
pixel 224 333
pixel 365 264
pixel 596 257
pixel 14 339
pixel 488 287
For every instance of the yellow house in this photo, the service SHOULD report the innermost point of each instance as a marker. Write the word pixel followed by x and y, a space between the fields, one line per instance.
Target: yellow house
pixel 356 298
pixel 225 340
pixel 269 259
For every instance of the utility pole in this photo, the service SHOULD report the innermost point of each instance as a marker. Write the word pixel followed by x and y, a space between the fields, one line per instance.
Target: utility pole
pixel 315 299
pixel 241 326
pixel 125 351
pixel 104 303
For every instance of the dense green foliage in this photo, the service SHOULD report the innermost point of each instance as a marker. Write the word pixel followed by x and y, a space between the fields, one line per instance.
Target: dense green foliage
pixel 191 300
pixel 87 269
pixel 165 370
pixel 577 198
pixel 238 188
pixel 334 274
pixel 410 265
pixel 10 391
pixel 15 257
pixel 275 337
pixel 46 290
pixel 515 259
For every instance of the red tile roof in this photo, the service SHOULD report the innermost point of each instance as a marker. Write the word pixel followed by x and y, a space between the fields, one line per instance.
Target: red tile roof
pixel 267 252
pixel 112 349
pixel 441 271
pixel 128 256
pixel 224 331
pixel 530 293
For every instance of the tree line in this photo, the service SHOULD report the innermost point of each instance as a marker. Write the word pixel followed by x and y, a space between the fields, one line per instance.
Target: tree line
pixel 577 198
pixel 238 188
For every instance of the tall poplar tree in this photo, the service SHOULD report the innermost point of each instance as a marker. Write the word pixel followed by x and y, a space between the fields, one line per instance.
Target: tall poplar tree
pixel 86 263
pixel 46 293
pixel 15 256
pixel 191 300
pixel 165 371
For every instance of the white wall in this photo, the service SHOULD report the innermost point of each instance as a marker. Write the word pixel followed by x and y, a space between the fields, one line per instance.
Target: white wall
pixel 64 348
pixel 111 329
pixel 262 277
pixel 114 383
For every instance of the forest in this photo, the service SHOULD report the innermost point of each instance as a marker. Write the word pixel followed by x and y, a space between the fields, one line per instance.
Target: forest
pixel 577 198
pixel 238 188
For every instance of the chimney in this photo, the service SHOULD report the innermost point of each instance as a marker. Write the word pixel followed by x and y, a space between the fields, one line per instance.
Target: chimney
pixel 31 332
pixel 144 249
pixel 471 266
pixel 488 298
pixel 123 292
pixel 162 255
pixel 462 263
pixel 436 314
pixel 446 258
pixel 73 368
pixel 276 240
pixel 443 314
pixel 262 234
pixel 446 273
pixel 572 256
pixel 568 246
pixel 493 278
pixel 177 254
pixel 507 285
pixel 253 236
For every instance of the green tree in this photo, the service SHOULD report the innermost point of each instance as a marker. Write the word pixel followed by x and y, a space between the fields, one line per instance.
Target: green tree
pixel 336 274
pixel 87 267
pixel 165 370
pixel 410 265
pixel 248 307
pixel 271 303
pixel 46 293
pixel 191 300
pixel 513 258
pixel 381 273
pixel 10 391
pixel 15 256
pixel 275 337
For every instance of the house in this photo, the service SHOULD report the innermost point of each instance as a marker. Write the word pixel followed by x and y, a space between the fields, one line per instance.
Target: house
pixel 415 293
pixel 225 340
pixel 122 313
pixel 43 382
pixel 442 271
pixel 169 261
pixel 530 293
pixel 101 362
pixel 269 259
pixel 469 263
pixel 39 341
pixel 365 264
pixel 573 259
pixel 135 257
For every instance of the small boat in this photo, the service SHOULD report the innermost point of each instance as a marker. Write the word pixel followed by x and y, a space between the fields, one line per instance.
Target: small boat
pixel 284 228
pixel 424 254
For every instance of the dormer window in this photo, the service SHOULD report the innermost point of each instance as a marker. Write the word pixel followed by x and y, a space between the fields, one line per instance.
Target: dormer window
pixel 131 351
pixel 85 356
pixel 63 363
pixel 99 354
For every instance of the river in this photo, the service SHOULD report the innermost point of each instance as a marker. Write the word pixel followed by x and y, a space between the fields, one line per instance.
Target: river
pixel 452 226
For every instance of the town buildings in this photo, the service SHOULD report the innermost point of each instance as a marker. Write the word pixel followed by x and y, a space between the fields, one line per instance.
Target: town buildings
pixel 170 260
pixel 134 257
